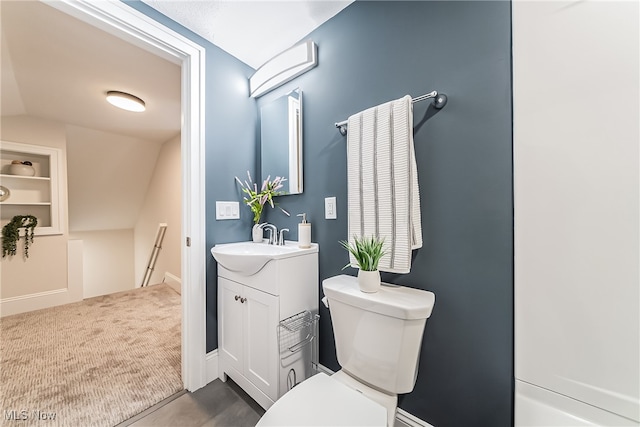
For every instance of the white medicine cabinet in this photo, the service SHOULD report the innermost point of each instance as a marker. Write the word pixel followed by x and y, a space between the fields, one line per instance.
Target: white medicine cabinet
pixel 37 195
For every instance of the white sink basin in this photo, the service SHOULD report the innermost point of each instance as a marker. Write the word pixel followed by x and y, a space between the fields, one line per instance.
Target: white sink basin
pixel 248 258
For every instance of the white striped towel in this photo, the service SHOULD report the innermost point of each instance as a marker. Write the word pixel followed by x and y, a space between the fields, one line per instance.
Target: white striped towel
pixel 382 182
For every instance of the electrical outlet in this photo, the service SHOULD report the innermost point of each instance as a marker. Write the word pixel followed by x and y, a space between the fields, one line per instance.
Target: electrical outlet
pixel 227 210
pixel 330 209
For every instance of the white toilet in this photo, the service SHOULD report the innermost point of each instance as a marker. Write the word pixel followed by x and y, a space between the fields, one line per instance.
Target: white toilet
pixel 378 338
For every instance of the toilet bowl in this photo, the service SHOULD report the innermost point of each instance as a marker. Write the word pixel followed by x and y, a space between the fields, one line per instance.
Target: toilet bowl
pixel 324 401
pixel 378 339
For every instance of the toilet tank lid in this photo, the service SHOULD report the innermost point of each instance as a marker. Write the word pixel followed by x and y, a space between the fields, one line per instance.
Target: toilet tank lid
pixel 391 300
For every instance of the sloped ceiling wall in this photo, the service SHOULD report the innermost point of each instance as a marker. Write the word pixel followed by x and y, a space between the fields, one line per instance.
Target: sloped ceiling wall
pixel 108 178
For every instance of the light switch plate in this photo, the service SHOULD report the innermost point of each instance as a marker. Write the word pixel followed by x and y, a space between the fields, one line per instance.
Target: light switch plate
pixel 227 210
pixel 330 209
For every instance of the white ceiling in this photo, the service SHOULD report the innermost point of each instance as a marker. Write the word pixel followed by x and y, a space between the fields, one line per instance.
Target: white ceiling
pixel 253 31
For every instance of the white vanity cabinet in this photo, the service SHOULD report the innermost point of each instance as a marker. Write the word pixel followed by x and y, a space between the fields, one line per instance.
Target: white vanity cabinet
pixel 249 310
pixel 248 338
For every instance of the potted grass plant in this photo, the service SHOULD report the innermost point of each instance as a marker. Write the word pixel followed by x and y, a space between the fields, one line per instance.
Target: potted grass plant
pixel 367 252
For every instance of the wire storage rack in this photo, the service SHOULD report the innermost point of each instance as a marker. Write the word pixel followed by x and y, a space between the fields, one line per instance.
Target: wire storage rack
pixel 297 338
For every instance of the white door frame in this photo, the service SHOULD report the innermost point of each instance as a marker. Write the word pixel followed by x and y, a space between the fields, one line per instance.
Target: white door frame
pixel 118 19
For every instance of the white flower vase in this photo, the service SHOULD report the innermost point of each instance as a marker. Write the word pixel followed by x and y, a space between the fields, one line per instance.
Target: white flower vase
pixel 257 234
pixel 369 281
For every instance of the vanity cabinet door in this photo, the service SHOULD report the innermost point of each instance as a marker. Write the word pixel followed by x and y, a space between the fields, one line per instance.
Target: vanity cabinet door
pixel 261 340
pixel 231 320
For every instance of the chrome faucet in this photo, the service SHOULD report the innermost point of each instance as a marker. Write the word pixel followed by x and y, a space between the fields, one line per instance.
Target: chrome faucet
pixel 281 236
pixel 273 232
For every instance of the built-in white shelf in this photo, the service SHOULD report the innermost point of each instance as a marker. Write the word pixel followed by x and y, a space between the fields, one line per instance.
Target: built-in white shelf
pixel 26 203
pixel 26 178
pixel 32 195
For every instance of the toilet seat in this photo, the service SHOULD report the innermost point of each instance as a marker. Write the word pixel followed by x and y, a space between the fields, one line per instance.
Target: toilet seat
pixel 324 401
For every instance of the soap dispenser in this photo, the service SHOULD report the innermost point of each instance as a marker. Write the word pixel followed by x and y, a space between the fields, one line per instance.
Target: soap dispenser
pixel 304 232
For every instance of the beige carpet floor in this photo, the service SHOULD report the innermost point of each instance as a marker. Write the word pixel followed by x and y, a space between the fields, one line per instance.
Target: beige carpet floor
pixel 93 363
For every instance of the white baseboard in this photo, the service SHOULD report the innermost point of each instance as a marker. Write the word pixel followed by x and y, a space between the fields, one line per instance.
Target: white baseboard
pixel 212 366
pixel 403 418
pixel 37 301
pixel 168 277
pixel 173 281
pixel 325 370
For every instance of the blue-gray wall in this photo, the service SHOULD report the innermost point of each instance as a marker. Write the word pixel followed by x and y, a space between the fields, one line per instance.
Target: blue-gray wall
pixel 230 134
pixel 373 52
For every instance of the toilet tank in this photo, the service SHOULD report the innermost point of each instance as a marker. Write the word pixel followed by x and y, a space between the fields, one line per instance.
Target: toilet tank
pixel 378 336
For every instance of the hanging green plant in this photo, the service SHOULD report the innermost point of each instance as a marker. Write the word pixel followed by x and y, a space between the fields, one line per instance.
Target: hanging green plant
pixel 11 234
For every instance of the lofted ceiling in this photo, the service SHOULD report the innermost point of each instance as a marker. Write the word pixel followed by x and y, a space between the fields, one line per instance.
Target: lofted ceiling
pixel 59 68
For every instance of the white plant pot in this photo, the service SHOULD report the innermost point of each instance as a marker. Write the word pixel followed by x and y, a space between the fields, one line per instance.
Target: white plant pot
pixel 257 234
pixel 369 281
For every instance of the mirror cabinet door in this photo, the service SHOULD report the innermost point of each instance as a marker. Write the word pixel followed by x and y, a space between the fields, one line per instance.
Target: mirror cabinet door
pixel 281 140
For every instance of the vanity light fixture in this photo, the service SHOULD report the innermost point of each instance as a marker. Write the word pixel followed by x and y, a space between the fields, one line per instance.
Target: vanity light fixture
pixel 284 67
pixel 126 101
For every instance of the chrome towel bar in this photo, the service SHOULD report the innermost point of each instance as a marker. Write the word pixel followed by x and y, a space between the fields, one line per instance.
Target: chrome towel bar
pixel 439 102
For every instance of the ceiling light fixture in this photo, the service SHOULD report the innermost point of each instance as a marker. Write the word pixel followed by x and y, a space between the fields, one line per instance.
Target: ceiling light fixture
pixel 283 67
pixel 126 101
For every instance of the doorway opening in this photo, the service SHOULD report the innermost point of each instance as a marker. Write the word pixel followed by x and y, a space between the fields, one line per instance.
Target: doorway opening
pixel 125 22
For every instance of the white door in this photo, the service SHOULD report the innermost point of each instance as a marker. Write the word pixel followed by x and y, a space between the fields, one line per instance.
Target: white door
pixel 231 314
pixel 261 341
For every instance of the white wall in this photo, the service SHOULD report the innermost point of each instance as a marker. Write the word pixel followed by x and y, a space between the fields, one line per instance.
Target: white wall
pixel 109 176
pixel 162 204
pixel 46 268
pixel 576 161
pixel 107 261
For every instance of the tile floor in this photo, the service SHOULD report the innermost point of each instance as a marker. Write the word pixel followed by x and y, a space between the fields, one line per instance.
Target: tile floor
pixel 217 404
